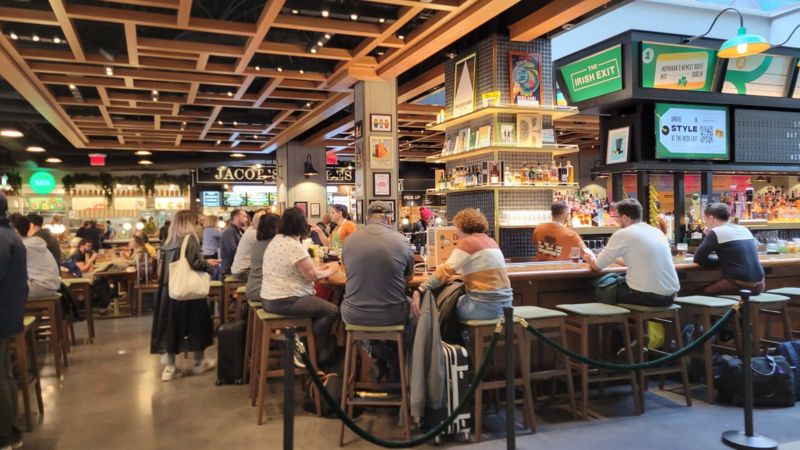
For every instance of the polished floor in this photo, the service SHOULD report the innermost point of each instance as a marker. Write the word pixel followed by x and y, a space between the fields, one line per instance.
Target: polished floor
pixel 111 397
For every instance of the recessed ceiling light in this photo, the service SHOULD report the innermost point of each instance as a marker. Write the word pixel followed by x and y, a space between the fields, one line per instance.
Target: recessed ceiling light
pixel 325 13
pixel 354 16
pixel 35 38
pixel 401 37
pixel 380 53
pixel 13 36
pixel 313 50
pixel 308 104
pixel 11 133
pixel 258 68
pixel 320 44
pixel 72 86
pixel 302 71
pixel 219 141
pixel 230 94
pixel 154 92
pixel 183 123
pixel 219 122
pixel 35 149
pixel 145 162
pixel 56 40
pixel 294 11
pixel 327 36
pixel 235 123
pixel 255 136
pixel 109 71
pixel 237 155
pixel 280 69
pixel 143 153
pixel 381 20
pixel 53 160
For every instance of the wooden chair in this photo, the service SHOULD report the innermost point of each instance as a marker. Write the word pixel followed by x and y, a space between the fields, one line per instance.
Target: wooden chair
pixel 231 298
pixel 581 317
pixel 250 337
pixel 50 321
pixel 146 282
pixel 215 295
pixel 27 368
pixel 81 289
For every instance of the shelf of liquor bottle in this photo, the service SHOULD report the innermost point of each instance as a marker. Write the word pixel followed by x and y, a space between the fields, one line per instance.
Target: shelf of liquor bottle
pixel 583 231
pixel 526 187
pixel 555 149
pixel 555 112
pixel 771 225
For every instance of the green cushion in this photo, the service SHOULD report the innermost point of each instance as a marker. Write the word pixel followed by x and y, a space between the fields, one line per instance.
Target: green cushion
pixel 374 329
pixel 593 309
pixel 51 298
pixel 520 312
pixel 705 301
pixel 254 304
pixel 241 290
pixel 232 279
pixel 762 298
pixel 263 315
pixel 28 321
pixel 73 281
pixel 214 284
pixel 786 291
pixel 650 309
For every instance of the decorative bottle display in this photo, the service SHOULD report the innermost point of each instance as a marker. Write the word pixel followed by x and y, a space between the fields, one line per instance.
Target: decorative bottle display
pixel 563 173
pixel 500 173
pixel 494 175
pixel 553 172
pixel 570 172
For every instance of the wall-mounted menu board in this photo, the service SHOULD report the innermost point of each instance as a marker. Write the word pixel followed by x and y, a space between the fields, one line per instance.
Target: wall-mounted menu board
pixel 595 75
pixel 691 132
pixel 677 67
pixel 234 199
pixel 767 136
pixel 764 75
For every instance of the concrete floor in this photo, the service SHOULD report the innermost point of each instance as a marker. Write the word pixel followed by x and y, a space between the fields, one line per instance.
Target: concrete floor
pixel 111 397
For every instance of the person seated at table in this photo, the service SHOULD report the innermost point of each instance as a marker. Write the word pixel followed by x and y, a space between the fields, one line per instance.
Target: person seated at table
pixel 289 288
pixel 478 258
pixel 164 230
pixel 651 279
pixel 84 257
pixel 36 230
pixel 241 260
pixel 553 240
pixel 344 227
pixel 138 246
pixel 44 278
pixel 736 254
pixel 267 229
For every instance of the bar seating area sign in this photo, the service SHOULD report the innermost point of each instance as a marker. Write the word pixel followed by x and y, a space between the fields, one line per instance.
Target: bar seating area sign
pixel 677 67
pixel 595 75
pixel 691 132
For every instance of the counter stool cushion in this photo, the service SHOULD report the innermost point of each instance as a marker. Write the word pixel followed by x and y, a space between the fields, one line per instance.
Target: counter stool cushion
pixel 254 304
pixel 241 290
pixel 385 328
pixel 593 309
pixel 75 281
pixel 215 283
pixel 55 297
pixel 761 298
pixel 263 315
pixel 705 301
pixel 650 309
pixel 520 312
pixel 786 291
pixel 28 321
pixel 232 279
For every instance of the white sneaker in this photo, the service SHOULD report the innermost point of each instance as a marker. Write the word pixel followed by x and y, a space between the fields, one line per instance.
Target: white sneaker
pixel 204 366
pixel 170 373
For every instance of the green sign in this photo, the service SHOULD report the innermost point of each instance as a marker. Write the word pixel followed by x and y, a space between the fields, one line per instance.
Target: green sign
pixel 677 67
pixel 764 75
pixel 594 75
pixel 42 183
pixel 691 132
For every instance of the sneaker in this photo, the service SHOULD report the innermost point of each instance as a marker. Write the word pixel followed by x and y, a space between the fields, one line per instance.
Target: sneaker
pixel 170 373
pixel 204 366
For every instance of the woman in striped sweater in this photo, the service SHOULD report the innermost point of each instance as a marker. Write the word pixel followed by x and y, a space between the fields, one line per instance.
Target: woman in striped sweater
pixel 478 259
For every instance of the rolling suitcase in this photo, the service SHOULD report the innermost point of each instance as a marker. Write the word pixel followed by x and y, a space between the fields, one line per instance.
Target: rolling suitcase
pixel 457 379
pixel 230 353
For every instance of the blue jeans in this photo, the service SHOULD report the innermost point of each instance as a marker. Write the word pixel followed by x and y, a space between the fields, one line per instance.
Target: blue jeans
pixel 468 309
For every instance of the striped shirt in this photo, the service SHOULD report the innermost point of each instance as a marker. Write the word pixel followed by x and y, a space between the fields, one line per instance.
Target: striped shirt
pixel 478 259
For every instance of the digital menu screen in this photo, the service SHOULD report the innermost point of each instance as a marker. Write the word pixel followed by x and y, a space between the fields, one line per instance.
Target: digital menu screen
pixel 211 198
pixel 258 199
pixel 234 199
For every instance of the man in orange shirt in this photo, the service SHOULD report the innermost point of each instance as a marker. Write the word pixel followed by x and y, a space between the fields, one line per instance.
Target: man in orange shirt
pixel 554 240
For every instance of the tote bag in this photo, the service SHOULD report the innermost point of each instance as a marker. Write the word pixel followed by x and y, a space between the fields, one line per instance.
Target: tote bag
pixel 186 283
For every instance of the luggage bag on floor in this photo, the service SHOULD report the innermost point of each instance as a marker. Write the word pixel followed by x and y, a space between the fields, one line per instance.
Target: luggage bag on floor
pixel 773 381
pixel 457 379
pixel 791 351
pixel 230 353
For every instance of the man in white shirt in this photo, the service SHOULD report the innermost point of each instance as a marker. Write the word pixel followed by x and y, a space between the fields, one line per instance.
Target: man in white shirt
pixel 651 278
pixel 241 260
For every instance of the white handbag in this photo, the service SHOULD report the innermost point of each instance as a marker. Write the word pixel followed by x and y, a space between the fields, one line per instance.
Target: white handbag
pixel 186 283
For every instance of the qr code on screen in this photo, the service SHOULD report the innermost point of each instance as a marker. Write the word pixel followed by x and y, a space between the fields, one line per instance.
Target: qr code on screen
pixel 706 134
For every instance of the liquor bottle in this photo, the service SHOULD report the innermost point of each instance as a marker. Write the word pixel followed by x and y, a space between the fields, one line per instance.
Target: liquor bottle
pixel 553 172
pixel 532 173
pixel 443 182
pixel 523 174
pixel 494 175
pixel 540 178
pixel 563 173
pixel 570 173
pixel 507 177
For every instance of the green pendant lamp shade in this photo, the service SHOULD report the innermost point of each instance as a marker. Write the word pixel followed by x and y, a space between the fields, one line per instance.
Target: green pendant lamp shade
pixel 743 44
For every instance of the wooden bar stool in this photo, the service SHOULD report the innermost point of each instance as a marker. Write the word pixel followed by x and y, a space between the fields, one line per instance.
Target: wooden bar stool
pixel 231 298
pixel 357 333
pixel 763 306
pixel 24 347
pixel 215 294
pixel 272 326
pixel 49 315
pixel 250 337
pixel 707 307
pixel 81 288
pixel 639 316
pixel 581 317
pixel 794 302
pixel 146 282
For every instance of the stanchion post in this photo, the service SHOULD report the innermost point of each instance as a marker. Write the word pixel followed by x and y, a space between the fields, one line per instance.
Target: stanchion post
pixel 747 439
pixel 288 390
pixel 508 314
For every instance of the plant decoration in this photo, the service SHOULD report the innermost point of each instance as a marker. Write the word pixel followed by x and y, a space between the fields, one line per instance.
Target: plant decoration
pixel 148 183
pixel 654 205
pixel 14 181
pixel 108 182
pixel 69 183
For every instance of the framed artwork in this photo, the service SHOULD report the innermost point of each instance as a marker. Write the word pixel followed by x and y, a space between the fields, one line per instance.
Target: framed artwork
pixel 529 130
pixel 303 206
pixel 315 209
pixel 391 203
pixel 506 134
pixel 464 99
pixel 525 72
pixel 381 152
pixel 380 122
pixel 484 136
pixel 358 130
pixel 617 146
pixel 382 184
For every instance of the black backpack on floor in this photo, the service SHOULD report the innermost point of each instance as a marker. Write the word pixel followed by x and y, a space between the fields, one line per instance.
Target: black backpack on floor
pixel 773 381
pixel 791 351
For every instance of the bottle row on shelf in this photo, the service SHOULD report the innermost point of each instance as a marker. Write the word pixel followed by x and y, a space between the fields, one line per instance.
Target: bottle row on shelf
pixel 501 173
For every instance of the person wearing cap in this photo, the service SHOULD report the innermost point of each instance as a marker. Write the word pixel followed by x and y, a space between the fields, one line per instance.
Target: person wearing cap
pixel 344 227
pixel 14 286
pixel 426 220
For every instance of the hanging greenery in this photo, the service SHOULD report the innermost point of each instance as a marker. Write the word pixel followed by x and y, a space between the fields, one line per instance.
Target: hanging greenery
pixel 108 182
pixel 15 181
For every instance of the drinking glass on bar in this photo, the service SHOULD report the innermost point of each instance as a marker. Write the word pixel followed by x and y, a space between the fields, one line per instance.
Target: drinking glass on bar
pixel 683 248
pixel 575 254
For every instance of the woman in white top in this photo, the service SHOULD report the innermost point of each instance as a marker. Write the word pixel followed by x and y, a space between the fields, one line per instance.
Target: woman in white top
pixel 288 276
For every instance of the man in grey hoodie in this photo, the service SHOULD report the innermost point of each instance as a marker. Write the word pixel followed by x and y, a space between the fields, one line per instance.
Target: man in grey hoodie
pixel 43 274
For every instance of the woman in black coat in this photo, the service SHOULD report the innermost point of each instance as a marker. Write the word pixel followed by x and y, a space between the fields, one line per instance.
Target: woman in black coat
pixel 182 326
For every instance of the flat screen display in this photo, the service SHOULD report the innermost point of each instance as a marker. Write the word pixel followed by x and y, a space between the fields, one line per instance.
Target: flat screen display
pixel 258 199
pixel 211 199
pixel 691 132
pixel 234 199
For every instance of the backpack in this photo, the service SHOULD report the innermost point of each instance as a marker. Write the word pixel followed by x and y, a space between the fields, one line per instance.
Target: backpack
pixel 773 381
pixel 605 288
pixel 791 351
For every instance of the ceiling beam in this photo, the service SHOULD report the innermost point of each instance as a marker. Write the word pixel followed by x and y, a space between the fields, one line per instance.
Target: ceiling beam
pixel 32 16
pixel 184 12
pixel 68 29
pixel 333 26
pixel 550 17
pixel 287 49
pixel 440 5
pixel 336 103
pixel 338 127
pixel 421 84
pixel 268 15
pixel 214 113
pixel 268 89
pixel 132 44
